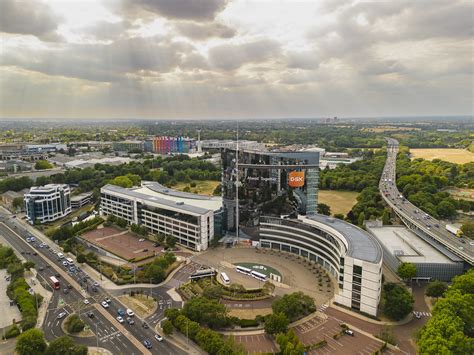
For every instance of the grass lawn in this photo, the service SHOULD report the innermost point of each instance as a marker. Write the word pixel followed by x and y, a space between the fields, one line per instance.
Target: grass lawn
pixel 143 305
pixel 204 187
pixel 339 201
pixel 50 227
pixel 458 156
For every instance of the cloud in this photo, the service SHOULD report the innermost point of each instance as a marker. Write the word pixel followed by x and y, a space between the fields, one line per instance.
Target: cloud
pixel 202 31
pixel 233 56
pixel 28 18
pixel 198 10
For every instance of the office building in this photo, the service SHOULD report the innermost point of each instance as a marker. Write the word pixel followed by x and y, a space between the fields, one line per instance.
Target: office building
pixel 352 256
pixel 128 146
pixel 194 220
pixel 47 203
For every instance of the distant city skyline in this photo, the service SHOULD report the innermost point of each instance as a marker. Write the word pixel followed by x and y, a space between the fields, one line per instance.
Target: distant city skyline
pixel 225 59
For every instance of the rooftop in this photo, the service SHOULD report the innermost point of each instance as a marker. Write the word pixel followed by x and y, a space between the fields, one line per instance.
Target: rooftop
pixel 154 198
pixel 407 246
pixel 361 245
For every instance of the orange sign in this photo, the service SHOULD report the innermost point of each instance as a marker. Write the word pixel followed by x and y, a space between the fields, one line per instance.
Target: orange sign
pixel 296 178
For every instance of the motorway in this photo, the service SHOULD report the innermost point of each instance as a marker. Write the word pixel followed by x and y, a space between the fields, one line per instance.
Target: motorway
pixel 413 216
pixel 109 333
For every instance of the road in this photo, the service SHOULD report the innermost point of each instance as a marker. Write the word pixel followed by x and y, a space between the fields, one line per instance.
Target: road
pixel 109 333
pixel 412 216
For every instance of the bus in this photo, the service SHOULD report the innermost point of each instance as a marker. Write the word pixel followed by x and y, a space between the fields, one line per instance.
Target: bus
pixel 259 276
pixel 225 279
pixel 199 274
pixel 243 270
pixel 54 282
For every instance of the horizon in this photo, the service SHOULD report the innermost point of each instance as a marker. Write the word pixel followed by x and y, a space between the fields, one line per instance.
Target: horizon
pixel 235 59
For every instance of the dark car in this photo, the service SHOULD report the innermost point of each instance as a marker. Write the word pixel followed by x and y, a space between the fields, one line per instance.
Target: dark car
pixel 66 291
pixel 145 325
pixel 35 253
pixel 147 344
pixel 90 315
pixel 58 275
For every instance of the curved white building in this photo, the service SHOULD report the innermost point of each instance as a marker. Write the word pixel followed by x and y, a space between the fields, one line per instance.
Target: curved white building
pixel 348 253
pixel 47 203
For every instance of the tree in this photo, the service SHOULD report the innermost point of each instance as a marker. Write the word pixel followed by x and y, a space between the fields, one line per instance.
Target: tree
pixel 122 181
pixel 170 241
pixel 436 289
pixel 386 217
pixel 81 258
pixel 468 230
pixel 406 271
pixel 65 346
pixel 361 219
pixel 155 273
pixel 167 327
pixel 324 209
pixel 74 324
pixel 290 344
pixel 339 216
pixel 398 302
pixel 206 312
pixel 294 305
pixel 28 265
pixel 18 203
pixel 446 209
pixel 43 165
pixel 31 342
pixel 276 323
pixel 160 238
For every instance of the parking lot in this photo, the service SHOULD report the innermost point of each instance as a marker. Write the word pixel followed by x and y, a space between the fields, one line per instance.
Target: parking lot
pixel 318 329
pixel 257 344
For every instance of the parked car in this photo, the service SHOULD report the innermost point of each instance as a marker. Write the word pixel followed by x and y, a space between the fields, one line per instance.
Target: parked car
pixel 90 314
pixel 120 319
pixel 105 304
pixel 349 332
pixel 130 320
pixel 141 239
pixel 86 301
pixel 158 337
pixel 130 312
pixel 121 312
pixel 145 325
pixel 107 300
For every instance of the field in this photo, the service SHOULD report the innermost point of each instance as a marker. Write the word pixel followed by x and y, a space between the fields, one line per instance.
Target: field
pixel 465 194
pixel 381 129
pixel 458 156
pixel 339 201
pixel 204 187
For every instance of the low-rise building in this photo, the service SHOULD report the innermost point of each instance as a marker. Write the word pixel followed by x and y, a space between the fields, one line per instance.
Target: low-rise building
pixel 128 146
pixel 47 203
pixel 192 219
pixel 352 256
pixel 402 245
pixel 77 201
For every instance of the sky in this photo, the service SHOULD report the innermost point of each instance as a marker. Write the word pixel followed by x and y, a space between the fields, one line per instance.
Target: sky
pixel 229 59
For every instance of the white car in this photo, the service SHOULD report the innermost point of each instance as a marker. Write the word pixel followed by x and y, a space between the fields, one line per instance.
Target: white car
pixel 96 284
pixel 141 239
pixel 62 315
pixel 86 301
pixel 65 263
pixel 105 304
pixel 130 312
pixel 120 319
pixel 158 337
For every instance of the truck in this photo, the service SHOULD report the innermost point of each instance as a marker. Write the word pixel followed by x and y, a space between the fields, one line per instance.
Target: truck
pixel 454 230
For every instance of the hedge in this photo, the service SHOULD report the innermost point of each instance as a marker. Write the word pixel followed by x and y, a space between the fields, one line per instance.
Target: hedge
pixel 12 332
pixel 247 323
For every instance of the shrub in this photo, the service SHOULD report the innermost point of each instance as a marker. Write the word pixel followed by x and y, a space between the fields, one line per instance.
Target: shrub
pixel 12 332
pixel 246 323
pixel 74 324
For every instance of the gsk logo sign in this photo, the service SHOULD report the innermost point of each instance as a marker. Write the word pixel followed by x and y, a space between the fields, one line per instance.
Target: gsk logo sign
pixel 296 178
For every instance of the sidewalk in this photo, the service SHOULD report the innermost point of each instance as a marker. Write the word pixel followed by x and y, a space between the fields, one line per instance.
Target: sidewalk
pixel 36 285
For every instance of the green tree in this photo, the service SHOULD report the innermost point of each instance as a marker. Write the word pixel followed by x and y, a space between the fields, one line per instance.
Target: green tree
pixel 398 302
pixel 155 273
pixel 65 346
pixel 386 217
pixel 167 327
pixel 468 230
pixel 206 312
pixel 361 219
pixel 324 209
pixel 170 241
pixel 43 165
pixel 81 258
pixel 122 181
pixel 28 265
pixel 294 305
pixel 18 203
pixel 213 292
pixel 436 289
pixel 276 323
pixel 290 344
pixel 406 271
pixel 31 342
pixel 74 324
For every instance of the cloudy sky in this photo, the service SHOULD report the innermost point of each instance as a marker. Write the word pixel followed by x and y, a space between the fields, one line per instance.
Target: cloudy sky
pixel 235 58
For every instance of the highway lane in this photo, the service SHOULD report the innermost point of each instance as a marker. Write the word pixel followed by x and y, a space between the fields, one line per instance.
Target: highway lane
pixel 86 284
pixel 426 223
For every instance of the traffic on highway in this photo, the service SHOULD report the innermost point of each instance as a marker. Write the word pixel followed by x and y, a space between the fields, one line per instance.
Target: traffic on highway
pixel 408 212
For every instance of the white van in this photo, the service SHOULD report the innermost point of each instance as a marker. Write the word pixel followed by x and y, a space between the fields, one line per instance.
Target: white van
pixel 70 262
pixel 60 255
